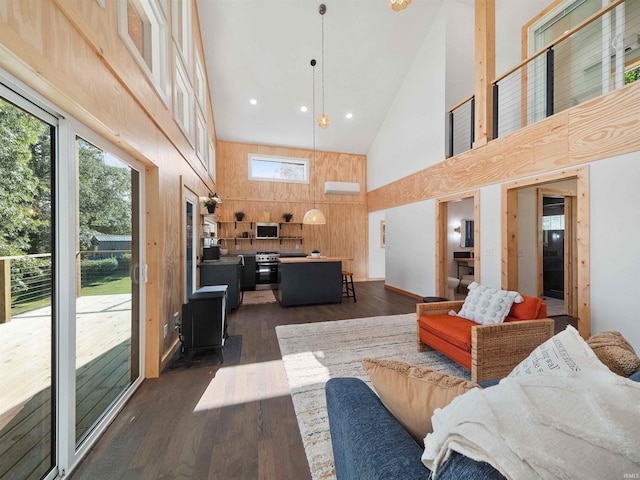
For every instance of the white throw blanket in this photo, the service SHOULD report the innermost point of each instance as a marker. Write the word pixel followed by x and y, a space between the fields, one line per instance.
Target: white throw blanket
pixel 566 425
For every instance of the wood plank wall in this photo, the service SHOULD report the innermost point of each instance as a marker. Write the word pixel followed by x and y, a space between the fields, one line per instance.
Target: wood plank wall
pixel 70 52
pixel 344 235
pixel 601 128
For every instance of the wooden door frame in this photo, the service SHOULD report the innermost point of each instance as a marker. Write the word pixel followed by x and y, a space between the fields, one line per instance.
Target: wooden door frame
pixel 569 256
pixel 582 242
pixel 442 244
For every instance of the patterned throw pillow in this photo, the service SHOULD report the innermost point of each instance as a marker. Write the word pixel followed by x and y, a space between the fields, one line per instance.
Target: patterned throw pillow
pixel 488 306
pixel 565 351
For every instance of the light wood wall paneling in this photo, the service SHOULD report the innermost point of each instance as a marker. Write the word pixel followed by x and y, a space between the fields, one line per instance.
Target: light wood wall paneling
pixel 70 52
pixel 344 235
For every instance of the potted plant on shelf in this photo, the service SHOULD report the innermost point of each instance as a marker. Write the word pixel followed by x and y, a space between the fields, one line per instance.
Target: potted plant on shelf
pixel 287 216
pixel 211 202
pixel 239 216
pixel 315 253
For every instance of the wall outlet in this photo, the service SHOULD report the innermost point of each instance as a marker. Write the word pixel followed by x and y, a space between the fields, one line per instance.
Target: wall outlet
pixel 297 246
pixel 176 320
pixel 237 247
pixel 166 330
pixel 520 252
pixel 488 252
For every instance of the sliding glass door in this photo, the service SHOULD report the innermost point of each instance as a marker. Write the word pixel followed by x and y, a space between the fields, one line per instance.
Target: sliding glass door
pixel 108 274
pixel 27 265
pixel 71 276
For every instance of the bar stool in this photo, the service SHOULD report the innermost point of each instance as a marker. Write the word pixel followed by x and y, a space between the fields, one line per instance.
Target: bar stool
pixel 348 290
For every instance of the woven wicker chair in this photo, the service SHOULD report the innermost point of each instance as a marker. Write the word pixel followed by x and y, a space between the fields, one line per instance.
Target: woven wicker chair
pixel 495 349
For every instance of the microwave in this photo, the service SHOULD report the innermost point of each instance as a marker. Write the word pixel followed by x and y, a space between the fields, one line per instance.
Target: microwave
pixel 267 230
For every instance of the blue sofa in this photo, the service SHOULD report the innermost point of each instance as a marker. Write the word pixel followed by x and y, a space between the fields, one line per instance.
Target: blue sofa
pixel 369 444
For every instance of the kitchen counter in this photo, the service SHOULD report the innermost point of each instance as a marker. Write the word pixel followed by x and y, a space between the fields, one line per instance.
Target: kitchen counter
pixel 307 281
pixel 310 259
pixel 224 260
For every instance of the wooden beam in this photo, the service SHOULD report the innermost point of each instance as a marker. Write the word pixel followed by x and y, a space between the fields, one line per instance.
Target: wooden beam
pixel 485 69
pixel 598 129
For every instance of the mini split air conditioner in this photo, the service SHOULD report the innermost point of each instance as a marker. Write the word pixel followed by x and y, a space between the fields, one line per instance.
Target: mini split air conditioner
pixel 342 188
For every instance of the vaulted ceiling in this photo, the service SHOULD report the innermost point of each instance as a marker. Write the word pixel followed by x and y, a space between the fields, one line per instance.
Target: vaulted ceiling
pixel 261 49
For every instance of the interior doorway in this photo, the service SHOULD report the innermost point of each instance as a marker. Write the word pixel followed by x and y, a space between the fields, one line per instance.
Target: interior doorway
pixel 457 241
pixel 546 242
pixel 557 224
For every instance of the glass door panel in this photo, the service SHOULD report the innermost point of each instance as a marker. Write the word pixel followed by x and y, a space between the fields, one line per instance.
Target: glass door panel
pixel 27 375
pixel 107 279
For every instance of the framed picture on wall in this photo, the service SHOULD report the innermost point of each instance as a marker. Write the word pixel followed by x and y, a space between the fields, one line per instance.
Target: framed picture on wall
pixel 382 237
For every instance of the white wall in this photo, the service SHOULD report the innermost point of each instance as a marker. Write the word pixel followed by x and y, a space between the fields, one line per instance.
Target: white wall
pixel 460 52
pixel 615 237
pixel 411 137
pixel 411 244
pixel 527 244
pixel 376 252
pixel 490 236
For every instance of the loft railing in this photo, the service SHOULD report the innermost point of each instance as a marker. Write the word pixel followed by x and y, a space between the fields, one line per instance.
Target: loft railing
pixel 461 127
pixel 595 57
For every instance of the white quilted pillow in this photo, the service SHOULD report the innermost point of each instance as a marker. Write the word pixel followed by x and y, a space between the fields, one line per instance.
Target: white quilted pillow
pixel 488 306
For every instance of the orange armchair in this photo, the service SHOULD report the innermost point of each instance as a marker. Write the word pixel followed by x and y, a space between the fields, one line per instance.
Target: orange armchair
pixel 488 351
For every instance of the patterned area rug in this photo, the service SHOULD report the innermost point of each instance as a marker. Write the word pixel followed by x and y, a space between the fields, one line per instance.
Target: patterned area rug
pixel 314 352
pixel 251 297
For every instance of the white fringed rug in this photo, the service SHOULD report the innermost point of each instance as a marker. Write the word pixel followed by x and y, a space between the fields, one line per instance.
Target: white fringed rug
pixel 314 352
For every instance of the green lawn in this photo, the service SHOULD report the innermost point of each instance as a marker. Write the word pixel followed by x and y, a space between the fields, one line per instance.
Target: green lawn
pixel 110 285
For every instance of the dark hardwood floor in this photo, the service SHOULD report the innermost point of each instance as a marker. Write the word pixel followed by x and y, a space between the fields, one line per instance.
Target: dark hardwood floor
pixel 232 421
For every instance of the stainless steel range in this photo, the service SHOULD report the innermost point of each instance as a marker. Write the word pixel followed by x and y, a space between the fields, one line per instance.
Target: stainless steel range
pixel 267 268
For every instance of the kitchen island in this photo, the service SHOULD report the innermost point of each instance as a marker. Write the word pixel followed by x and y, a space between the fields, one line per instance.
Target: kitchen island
pixel 307 280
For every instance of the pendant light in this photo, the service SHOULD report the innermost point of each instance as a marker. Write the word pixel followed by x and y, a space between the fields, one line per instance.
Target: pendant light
pixel 323 119
pixel 397 5
pixel 314 216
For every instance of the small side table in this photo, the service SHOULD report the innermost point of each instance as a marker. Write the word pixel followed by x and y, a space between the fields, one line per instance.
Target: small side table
pixel 434 299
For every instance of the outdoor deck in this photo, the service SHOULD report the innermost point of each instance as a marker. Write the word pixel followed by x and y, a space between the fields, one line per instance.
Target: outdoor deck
pixel 103 332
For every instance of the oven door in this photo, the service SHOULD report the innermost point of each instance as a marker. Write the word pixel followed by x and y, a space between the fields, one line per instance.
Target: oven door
pixel 267 272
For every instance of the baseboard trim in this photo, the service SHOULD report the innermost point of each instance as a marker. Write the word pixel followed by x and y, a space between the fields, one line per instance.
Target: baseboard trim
pixel 403 292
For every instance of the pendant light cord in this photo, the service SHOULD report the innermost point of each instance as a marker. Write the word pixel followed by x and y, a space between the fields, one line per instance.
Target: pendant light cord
pixel 313 125
pixel 322 23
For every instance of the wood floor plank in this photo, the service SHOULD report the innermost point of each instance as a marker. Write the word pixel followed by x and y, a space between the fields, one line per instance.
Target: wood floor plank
pixel 231 421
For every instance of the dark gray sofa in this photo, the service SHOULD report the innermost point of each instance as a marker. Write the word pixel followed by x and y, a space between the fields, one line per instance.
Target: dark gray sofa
pixel 369 444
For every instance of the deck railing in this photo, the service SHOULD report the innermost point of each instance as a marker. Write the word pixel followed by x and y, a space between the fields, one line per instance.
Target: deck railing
pixel 26 281
pixel 584 62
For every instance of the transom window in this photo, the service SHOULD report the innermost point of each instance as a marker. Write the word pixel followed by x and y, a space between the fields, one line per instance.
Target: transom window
pixel 278 169
pixel 142 27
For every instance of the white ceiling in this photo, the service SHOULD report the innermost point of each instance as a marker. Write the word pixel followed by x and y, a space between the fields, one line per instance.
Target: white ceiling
pixel 262 48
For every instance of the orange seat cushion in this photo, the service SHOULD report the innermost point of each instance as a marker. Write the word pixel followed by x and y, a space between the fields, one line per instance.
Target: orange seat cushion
pixel 527 310
pixel 455 330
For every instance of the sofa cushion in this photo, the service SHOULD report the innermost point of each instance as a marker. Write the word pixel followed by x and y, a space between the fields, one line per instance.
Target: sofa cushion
pixel 412 393
pixel 487 306
pixel 615 352
pixel 455 330
pixel 564 351
pixel 526 310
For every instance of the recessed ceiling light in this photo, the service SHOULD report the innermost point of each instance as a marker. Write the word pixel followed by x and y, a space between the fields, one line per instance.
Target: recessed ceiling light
pixel 303 108
pixel 349 115
pixel 253 101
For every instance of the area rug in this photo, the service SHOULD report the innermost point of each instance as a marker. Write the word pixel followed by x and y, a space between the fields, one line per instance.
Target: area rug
pixel 251 297
pixel 314 352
